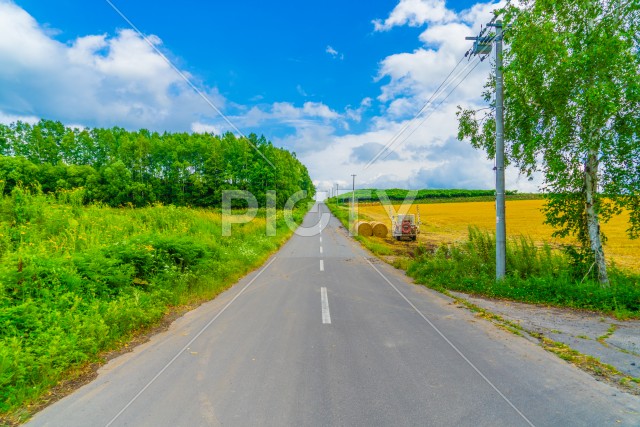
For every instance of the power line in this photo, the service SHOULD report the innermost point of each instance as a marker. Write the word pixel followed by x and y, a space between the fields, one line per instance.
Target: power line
pixel 436 107
pixel 404 128
pixel 445 98
pixel 441 84
pixel 449 83
pixel 386 151
pixel 187 80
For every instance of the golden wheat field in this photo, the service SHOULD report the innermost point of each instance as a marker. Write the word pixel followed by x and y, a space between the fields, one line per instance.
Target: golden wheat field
pixel 448 222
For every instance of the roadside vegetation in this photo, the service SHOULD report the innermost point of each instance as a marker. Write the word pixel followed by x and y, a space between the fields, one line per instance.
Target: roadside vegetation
pixel 77 280
pixel 103 232
pixel 444 223
pixel 536 273
pixel 571 101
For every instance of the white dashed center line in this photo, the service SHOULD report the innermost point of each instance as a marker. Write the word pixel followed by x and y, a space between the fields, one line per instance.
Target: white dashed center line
pixel 326 316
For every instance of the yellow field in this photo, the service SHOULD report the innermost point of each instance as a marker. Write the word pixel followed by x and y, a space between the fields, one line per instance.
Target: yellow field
pixel 448 222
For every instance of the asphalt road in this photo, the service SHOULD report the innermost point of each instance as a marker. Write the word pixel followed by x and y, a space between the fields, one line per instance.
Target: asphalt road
pixel 324 334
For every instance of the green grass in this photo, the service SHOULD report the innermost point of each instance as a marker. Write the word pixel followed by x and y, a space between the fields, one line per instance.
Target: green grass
pixel 604 337
pixel 378 248
pixel 375 247
pixel 78 280
pixel 339 211
pixel 534 275
pixel 589 363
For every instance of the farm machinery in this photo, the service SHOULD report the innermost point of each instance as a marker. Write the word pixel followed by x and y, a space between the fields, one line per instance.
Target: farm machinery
pixel 405 227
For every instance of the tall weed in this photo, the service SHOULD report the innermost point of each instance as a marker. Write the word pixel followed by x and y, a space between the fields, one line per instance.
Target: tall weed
pixel 76 280
pixel 534 274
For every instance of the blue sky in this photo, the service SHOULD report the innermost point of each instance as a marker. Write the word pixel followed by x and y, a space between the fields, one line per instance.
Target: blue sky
pixel 333 80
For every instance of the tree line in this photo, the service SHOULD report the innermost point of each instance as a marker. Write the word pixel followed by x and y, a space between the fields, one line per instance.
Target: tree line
pixel 119 167
pixel 399 195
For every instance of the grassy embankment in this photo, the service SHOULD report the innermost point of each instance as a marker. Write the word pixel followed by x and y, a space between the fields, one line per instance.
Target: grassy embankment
pixel 456 251
pixel 77 280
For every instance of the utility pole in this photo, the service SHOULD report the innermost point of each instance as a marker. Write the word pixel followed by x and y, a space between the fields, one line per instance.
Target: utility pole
pixel 337 194
pixel 501 228
pixel 482 46
pixel 353 191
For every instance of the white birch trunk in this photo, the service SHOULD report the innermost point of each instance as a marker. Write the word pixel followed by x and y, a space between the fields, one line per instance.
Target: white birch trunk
pixel 593 223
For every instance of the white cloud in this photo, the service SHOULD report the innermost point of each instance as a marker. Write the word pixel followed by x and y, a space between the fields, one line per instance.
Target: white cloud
pixel 309 138
pixel 198 127
pixel 96 80
pixel 420 73
pixel 428 155
pixel 416 13
pixel 301 91
pixel 334 53
pixel 287 113
pixel 118 79
pixel 364 153
pixel 402 107
pixel 480 11
pixel 7 119
pixel 355 114
pixel 318 109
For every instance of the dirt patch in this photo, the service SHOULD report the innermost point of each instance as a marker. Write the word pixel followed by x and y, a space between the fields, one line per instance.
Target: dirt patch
pixel 591 341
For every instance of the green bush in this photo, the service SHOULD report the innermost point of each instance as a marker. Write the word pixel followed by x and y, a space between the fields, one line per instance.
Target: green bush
pixel 534 274
pixel 76 280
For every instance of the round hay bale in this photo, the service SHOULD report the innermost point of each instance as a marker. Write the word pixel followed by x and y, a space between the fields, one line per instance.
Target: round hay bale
pixel 379 229
pixel 363 228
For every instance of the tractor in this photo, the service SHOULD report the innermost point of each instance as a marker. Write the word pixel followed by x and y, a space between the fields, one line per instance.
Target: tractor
pixel 405 227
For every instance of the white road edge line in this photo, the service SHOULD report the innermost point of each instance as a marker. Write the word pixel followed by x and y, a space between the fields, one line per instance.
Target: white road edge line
pixel 321 265
pixel 187 345
pixel 435 328
pixel 326 315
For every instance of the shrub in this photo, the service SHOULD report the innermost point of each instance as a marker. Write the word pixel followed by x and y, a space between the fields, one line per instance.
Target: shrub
pixel 534 274
pixel 76 280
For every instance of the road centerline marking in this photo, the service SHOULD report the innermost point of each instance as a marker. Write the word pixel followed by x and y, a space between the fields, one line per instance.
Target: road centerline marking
pixel 452 345
pixel 326 315
pixel 321 265
pixel 320 249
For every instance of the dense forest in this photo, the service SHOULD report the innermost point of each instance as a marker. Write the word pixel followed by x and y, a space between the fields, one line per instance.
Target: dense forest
pixel 119 167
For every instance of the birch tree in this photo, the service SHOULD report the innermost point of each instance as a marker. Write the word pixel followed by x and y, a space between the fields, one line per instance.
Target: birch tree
pixel 572 112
